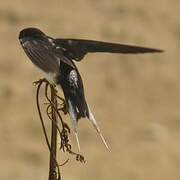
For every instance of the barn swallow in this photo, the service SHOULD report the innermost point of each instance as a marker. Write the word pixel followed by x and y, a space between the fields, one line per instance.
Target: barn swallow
pixel 55 57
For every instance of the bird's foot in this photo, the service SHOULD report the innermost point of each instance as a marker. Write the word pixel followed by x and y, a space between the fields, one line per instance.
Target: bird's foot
pixel 64 109
pixel 39 81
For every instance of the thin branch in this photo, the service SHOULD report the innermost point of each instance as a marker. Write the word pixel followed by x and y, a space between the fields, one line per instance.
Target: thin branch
pixel 53 113
pixel 39 83
pixel 52 163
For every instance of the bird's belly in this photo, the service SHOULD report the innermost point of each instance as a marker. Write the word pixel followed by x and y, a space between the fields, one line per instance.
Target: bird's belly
pixel 51 77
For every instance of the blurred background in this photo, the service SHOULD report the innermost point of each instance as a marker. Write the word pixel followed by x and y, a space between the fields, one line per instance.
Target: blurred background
pixel 135 98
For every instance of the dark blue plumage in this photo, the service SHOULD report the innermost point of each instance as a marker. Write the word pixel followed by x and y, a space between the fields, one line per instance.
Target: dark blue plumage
pixel 55 58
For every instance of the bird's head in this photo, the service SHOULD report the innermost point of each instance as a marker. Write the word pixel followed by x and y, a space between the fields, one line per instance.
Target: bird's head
pixel 33 33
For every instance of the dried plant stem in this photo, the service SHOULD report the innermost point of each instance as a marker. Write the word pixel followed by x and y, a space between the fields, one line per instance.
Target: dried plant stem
pixel 39 83
pixel 52 162
pixel 54 107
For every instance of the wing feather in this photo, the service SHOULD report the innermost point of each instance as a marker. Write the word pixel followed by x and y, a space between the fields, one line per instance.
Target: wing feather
pixel 77 48
pixel 44 56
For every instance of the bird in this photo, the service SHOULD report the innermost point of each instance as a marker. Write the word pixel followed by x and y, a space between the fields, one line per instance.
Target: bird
pixel 56 57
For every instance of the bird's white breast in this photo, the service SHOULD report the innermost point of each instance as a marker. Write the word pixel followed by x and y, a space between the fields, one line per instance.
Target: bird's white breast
pixel 51 77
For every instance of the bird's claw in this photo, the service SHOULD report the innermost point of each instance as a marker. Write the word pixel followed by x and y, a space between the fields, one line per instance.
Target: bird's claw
pixel 64 109
pixel 39 81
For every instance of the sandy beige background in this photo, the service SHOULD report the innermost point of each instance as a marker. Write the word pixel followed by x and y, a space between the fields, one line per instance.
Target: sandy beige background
pixel 135 98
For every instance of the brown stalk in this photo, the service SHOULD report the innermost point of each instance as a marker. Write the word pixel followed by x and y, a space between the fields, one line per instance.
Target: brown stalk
pixel 55 106
pixel 52 162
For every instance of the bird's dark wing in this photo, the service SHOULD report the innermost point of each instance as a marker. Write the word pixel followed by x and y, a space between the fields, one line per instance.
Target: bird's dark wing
pixel 44 56
pixel 72 86
pixel 77 48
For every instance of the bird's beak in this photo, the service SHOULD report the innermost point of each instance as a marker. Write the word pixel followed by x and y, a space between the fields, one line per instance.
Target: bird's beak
pixel 21 41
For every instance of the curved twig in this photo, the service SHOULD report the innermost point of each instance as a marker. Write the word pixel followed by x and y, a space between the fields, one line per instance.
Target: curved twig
pixel 52 109
pixel 39 111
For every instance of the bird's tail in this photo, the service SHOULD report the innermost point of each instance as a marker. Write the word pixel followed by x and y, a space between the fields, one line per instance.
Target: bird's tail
pixel 74 115
pixel 74 118
pixel 94 123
